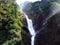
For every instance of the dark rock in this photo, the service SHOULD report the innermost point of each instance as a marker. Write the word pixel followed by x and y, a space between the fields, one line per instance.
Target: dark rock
pixel 50 35
pixel 26 38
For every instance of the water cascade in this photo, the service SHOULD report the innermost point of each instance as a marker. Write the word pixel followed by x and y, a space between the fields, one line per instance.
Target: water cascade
pixel 30 26
pixel 31 29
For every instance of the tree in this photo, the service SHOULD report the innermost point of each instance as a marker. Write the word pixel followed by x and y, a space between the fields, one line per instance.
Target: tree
pixel 10 23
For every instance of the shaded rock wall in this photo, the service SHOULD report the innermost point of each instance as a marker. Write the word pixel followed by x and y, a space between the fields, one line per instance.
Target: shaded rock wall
pixel 39 11
pixel 51 34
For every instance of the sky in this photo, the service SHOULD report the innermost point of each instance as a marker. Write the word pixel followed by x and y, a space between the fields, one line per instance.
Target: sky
pixel 22 1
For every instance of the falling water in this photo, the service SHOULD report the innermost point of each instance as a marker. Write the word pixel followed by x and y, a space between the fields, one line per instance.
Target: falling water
pixel 31 29
pixel 30 26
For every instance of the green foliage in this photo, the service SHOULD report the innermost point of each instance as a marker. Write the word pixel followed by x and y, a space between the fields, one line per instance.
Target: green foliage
pixel 10 24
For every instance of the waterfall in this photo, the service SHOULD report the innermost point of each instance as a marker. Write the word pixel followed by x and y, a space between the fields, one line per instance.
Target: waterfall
pixel 30 26
pixel 31 29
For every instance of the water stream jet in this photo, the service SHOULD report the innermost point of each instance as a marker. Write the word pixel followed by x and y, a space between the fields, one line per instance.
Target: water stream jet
pixel 31 29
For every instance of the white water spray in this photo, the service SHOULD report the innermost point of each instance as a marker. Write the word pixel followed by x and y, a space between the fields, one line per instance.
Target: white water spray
pixel 31 29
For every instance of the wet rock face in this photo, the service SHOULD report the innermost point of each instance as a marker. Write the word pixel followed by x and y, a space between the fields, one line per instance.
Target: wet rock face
pixel 51 34
pixel 35 14
pixel 26 37
pixel 37 19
